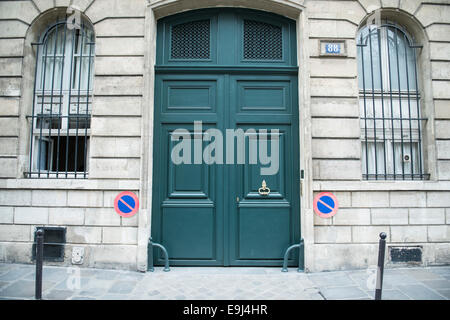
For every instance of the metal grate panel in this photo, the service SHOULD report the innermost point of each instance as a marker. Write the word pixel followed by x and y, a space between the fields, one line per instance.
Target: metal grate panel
pixel 262 41
pixel 191 40
pixel 54 243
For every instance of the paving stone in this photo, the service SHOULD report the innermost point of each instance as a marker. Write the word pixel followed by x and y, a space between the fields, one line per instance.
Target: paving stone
pixel 95 288
pixel 440 270
pixel 420 274
pixel 389 295
pixel 116 297
pixel 399 279
pixel 437 284
pixel 363 281
pixel 122 287
pixel 106 274
pixel 137 276
pixel 82 298
pixel 4 267
pixel 419 292
pixel 58 294
pixel 15 274
pixel 50 274
pixel 234 283
pixel 444 292
pixel 335 293
pixel 24 289
pixel 64 285
pixel 332 279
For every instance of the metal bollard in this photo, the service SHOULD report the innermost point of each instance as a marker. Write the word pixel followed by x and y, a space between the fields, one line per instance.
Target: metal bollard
pixel 300 256
pixel 163 249
pixel 380 270
pixel 39 263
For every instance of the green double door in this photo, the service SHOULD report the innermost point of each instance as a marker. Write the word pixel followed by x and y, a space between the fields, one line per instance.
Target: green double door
pixel 218 213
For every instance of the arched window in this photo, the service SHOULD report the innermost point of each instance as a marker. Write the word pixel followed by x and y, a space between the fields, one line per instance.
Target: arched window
pixel 389 104
pixel 62 101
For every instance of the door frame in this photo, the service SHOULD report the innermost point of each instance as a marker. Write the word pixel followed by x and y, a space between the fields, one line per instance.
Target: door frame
pixel 163 8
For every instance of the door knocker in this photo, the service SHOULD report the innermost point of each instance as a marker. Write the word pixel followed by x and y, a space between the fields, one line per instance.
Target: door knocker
pixel 264 190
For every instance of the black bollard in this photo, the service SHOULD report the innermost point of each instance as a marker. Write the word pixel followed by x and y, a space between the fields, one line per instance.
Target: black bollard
pixel 39 262
pixel 381 250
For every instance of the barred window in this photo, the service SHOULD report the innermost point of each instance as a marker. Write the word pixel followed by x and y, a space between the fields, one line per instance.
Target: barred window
pixel 61 115
pixel 389 100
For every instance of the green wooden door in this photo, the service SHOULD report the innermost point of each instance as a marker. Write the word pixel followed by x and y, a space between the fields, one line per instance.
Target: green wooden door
pixel 230 69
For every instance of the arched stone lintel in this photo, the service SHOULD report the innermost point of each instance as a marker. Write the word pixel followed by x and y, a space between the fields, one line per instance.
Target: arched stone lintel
pixel 290 9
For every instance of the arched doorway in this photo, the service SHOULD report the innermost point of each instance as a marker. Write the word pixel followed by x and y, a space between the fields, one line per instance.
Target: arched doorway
pixel 234 70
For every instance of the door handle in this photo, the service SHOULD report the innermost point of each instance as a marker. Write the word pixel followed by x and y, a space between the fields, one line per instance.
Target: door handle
pixel 264 190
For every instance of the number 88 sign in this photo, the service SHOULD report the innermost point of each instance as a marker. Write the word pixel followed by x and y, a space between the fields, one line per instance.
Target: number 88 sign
pixel 333 48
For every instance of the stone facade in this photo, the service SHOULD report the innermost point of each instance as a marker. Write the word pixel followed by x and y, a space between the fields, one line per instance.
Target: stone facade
pixel 412 213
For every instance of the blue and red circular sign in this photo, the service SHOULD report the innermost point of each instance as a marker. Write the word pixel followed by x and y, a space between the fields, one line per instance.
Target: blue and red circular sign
pixel 126 204
pixel 325 205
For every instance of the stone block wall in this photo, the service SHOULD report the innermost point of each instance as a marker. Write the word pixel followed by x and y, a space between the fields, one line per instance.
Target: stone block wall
pixel 84 207
pixel 412 213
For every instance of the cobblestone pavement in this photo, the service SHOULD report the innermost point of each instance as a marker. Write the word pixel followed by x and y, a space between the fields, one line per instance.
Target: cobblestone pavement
pixel 17 282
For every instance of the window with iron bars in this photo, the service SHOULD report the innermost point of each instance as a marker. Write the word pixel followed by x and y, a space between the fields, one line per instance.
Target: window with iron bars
pixel 389 99
pixel 61 116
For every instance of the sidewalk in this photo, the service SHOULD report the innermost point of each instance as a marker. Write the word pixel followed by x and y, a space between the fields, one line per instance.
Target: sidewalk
pixel 60 283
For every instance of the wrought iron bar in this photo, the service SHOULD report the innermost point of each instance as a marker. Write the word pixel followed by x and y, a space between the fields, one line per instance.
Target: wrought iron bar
pixel 61 97
pixel 399 102
pixel 70 101
pixel 42 108
pixel 419 147
pixel 365 105
pixel 382 101
pixel 409 106
pixel 80 63
pixel 87 107
pixel 373 103
pixel 392 105
pixel 51 99
pixel 33 108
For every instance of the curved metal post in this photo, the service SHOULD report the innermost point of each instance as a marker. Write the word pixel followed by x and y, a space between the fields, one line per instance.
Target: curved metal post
pixel 166 255
pixel 286 255
pixel 300 256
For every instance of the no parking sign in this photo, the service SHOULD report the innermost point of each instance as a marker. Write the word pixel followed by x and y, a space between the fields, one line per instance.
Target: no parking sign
pixel 325 205
pixel 126 204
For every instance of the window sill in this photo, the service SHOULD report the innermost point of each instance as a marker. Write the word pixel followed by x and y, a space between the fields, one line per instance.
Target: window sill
pixel 73 184
pixel 381 185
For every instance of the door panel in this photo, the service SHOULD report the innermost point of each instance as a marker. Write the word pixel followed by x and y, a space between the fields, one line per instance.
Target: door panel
pixel 263 232
pixel 187 207
pixel 263 226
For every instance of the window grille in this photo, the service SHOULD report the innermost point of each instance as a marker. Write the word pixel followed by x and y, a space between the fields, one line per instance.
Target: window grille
pixel 191 40
pixel 391 122
pixel 61 116
pixel 262 41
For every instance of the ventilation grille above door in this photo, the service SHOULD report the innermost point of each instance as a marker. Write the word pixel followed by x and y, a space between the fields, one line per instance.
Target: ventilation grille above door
pixel 191 40
pixel 262 41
